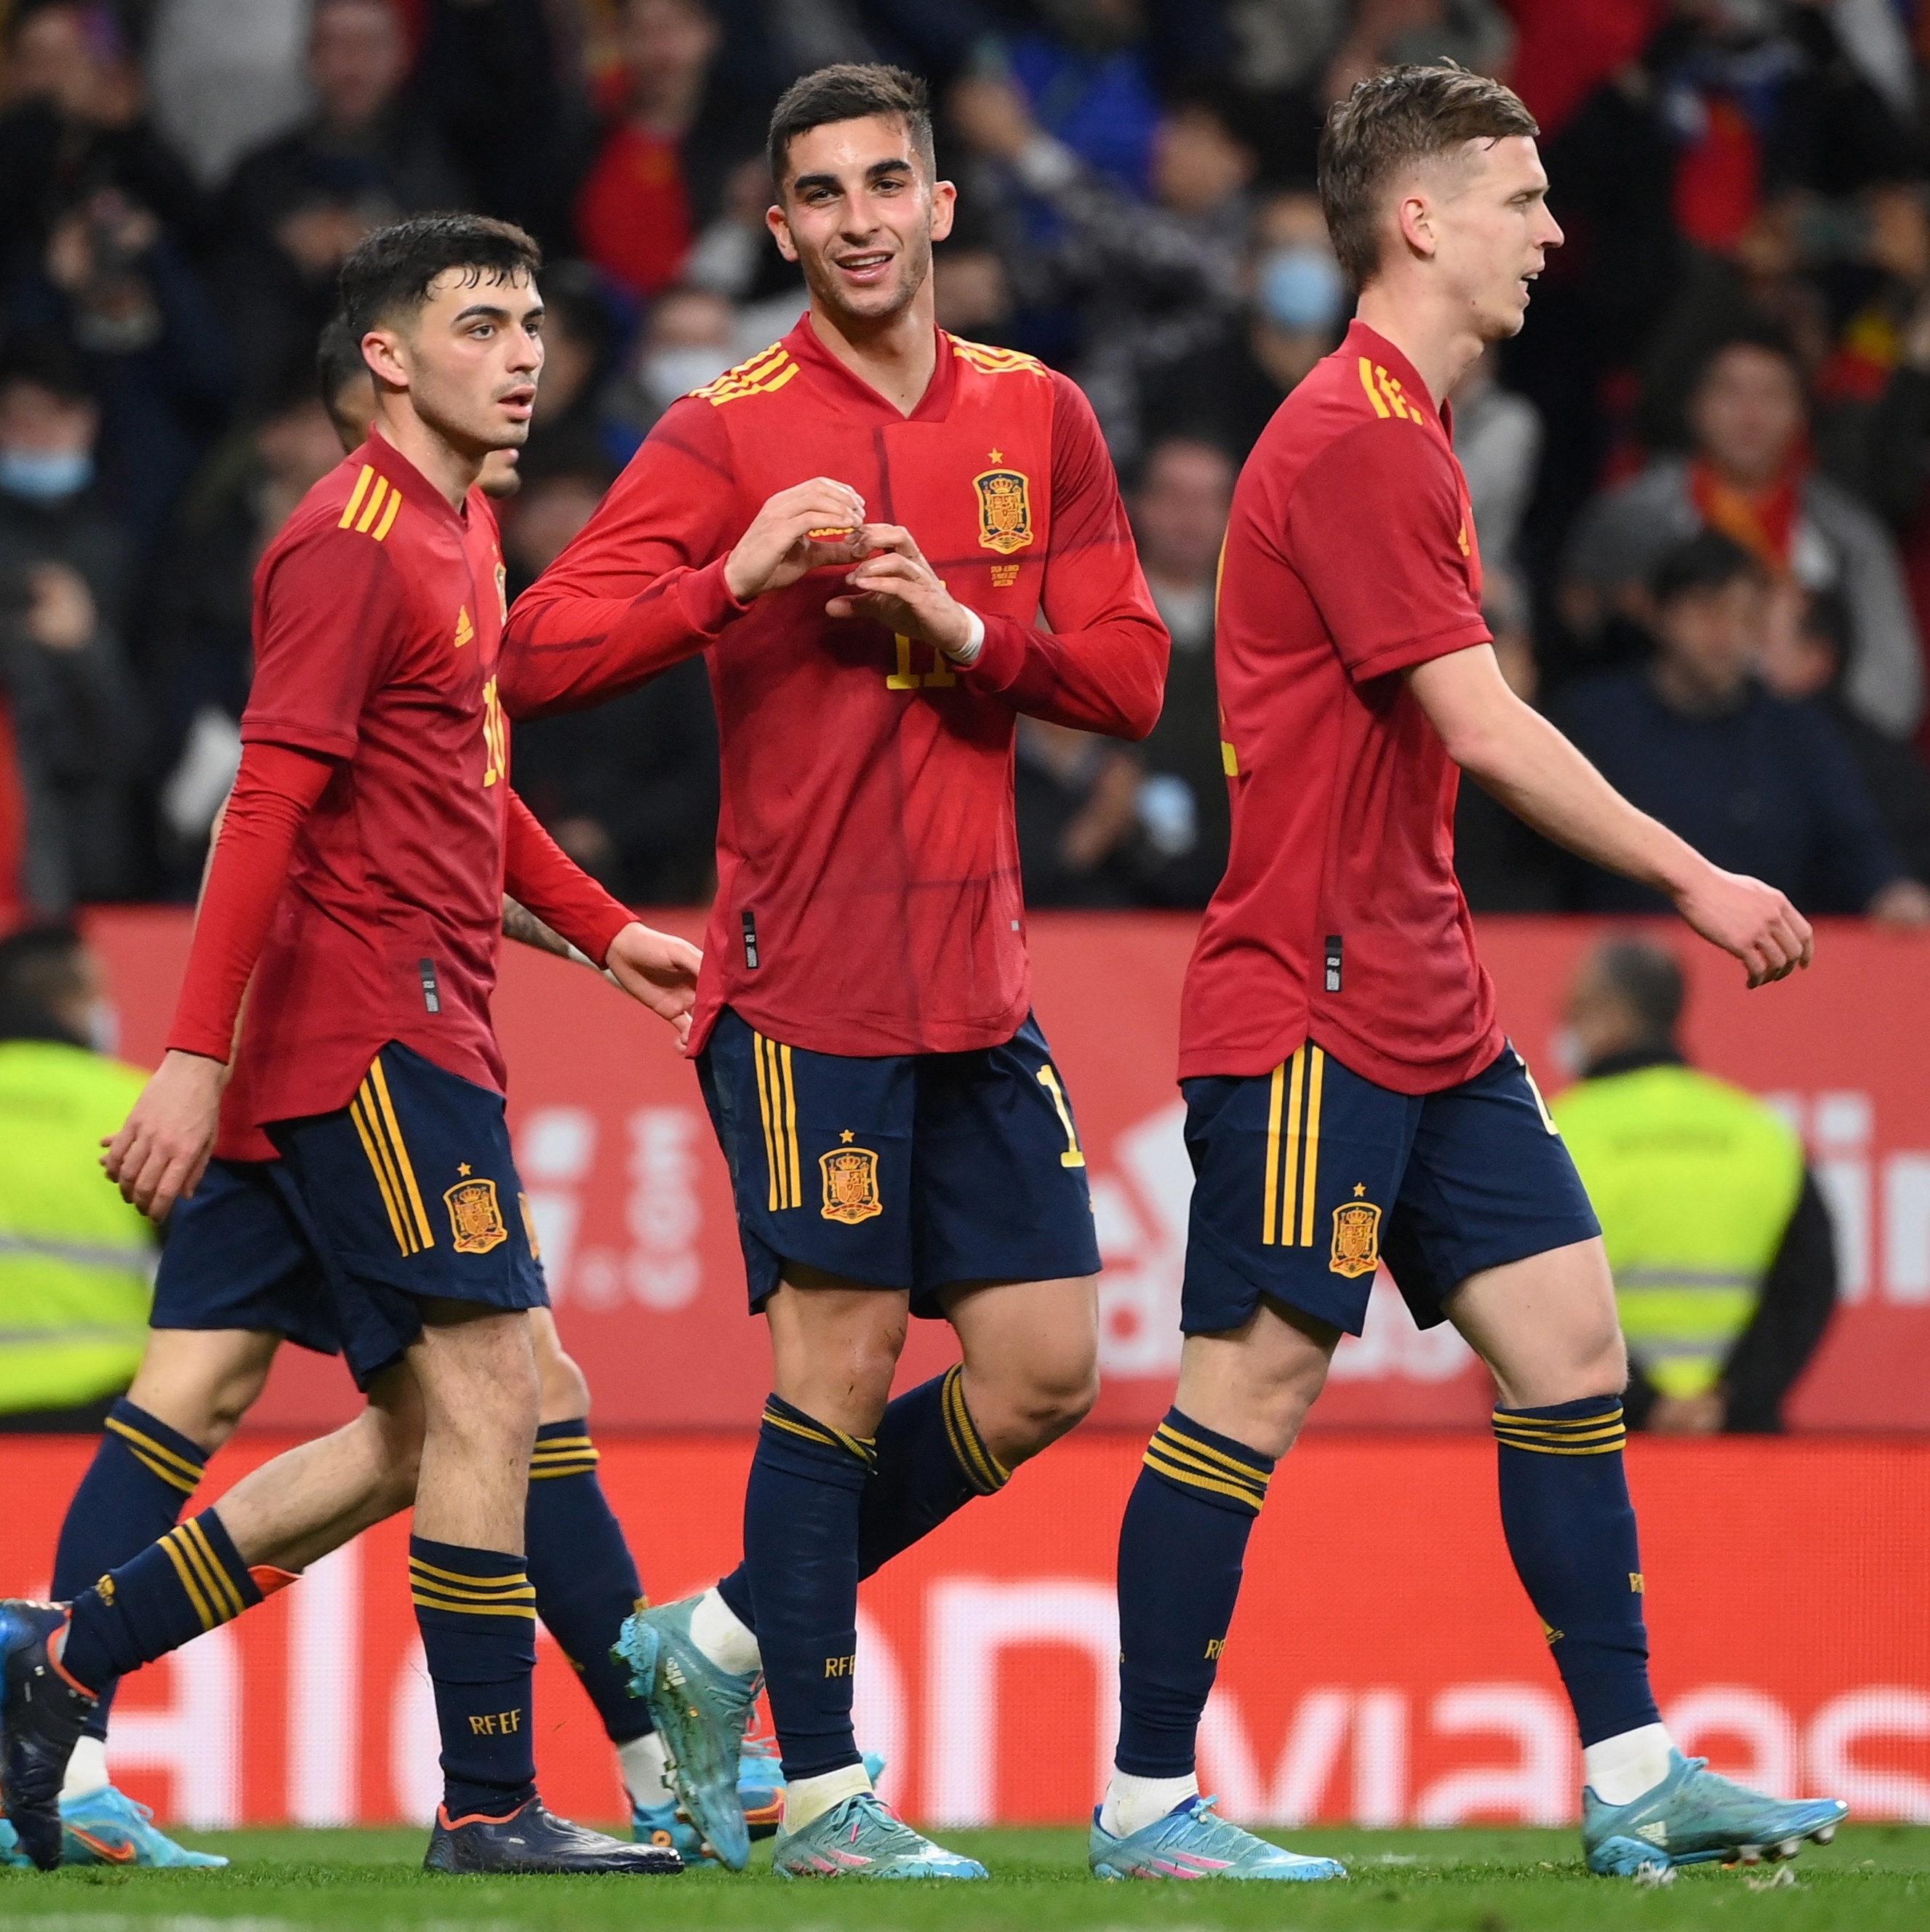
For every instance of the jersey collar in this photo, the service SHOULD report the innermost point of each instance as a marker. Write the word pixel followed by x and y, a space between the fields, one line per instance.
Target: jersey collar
pixel 1361 340
pixel 934 405
pixel 414 489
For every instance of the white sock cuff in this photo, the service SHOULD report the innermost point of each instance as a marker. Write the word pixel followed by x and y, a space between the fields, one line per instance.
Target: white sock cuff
pixel 1133 1803
pixel 1619 1769
pixel 811 1798
pixel 720 1633
pixel 86 1769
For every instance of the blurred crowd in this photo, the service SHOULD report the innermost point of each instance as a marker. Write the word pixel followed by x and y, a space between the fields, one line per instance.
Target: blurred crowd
pixel 1699 476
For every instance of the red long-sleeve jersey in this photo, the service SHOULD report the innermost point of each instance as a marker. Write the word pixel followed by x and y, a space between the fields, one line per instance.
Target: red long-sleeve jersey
pixel 869 898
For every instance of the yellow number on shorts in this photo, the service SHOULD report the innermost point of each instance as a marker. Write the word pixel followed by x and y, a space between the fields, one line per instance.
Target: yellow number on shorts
pixel 1049 1080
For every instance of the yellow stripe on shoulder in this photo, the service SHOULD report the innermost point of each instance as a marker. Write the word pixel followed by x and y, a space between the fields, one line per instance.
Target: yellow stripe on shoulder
pixel 764 375
pixel 983 356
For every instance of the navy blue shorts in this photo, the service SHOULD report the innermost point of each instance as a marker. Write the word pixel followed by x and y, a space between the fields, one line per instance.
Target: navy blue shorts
pixel 1307 1178
pixel 235 1256
pixel 409 1193
pixel 914 1171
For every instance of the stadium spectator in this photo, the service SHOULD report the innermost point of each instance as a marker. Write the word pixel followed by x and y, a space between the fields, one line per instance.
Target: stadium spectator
pixel 674 139
pixel 1078 811
pixel 580 338
pixel 225 76
pixel 76 1260
pixel 1225 389
pixel 64 594
pixel 1757 784
pixel 629 790
pixel 1179 521
pixel 691 339
pixel 1746 477
pixel 1498 441
pixel 1718 1236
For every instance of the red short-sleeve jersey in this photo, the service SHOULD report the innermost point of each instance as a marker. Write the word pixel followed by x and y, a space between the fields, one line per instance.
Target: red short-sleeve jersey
pixel 1350 558
pixel 378 614
pixel 868 899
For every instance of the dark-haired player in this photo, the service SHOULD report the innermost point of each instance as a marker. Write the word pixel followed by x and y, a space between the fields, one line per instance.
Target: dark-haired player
pixel 859 528
pixel 1350 1096
pixel 355 892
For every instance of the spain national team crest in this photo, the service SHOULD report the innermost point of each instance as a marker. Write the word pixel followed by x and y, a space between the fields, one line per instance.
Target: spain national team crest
pixel 851 1185
pixel 1356 1239
pixel 476 1215
pixel 1004 511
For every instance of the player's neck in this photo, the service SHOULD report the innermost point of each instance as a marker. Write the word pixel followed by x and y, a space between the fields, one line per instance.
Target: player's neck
pixel 451 471
pixel 1433 336
pixel 896 356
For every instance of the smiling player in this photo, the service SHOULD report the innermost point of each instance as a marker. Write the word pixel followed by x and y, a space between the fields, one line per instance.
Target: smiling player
pixel 858 528
pixel 1349 1095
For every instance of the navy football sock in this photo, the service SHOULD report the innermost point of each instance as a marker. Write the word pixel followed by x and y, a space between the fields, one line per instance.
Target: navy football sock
pixel 1181 1548
pixel 189 1581
pixel 142 1474
pixel 1571 1529
pixel 477 1613
pixel 801 1514
pixel 932 1461
pixel 582 1571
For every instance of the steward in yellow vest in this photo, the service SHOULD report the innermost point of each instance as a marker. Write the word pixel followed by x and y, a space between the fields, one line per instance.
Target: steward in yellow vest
pixel 77 1261
pixel 1717 1237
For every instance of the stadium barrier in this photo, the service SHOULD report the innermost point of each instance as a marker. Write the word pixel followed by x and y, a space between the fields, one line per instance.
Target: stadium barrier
pixel 631 1197
pixel 1384 1666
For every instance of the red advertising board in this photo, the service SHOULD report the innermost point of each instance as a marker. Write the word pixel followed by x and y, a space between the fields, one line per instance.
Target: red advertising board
pixel 632 1196
pixel 1384 1666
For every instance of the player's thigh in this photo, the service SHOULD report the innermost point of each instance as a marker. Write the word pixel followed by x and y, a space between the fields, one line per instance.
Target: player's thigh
pixel 1000 1190
pixel 1294 1173
pixel 410 1200
pixel 1546 1326
pixel 563 1388
pixel 819 1148
pixel 1493 1229
pixel 1256 1383
pixel 201 1381
pixel 835 1345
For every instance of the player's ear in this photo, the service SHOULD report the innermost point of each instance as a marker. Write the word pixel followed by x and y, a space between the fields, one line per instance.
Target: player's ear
pixel 1414 218
pixel 945 205
pixel 382 350
pixel 780 228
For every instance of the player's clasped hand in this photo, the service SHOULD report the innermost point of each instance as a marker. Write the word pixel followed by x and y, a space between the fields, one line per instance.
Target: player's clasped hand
pixel 659 969
pixel 1753 921
pixel 780 546
pixel 162 1150
pixel 895 587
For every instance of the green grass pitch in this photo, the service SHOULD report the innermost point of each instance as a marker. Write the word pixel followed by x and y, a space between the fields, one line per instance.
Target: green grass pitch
pixel 1873 1878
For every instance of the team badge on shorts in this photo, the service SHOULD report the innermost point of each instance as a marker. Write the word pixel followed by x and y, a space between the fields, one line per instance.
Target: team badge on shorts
pixel 851 1185
pixel 1004 511
pixel 1356 1239
pixel 476 1215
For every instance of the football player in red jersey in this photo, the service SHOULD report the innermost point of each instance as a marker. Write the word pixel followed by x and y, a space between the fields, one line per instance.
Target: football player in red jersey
pixel 888 543
pixel 356 893
pixel 1350 1095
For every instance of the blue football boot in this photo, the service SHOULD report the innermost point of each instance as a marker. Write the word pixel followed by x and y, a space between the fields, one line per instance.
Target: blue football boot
pixel 107 1828
pixel 1193 1841
pixel 42 1715
pixel 1694 1816
pixel 863 1838
pixel 532 1838
pixel 701 1713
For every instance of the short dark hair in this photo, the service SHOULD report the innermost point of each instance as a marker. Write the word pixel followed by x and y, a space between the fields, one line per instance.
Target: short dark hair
pixel 850 91
pixel 1707 561
pixel 40 966
pixel 1647 979
pixel 1762 336
pixel 338 362
pixel 391 271
pixel 45 362
pixel 1392 120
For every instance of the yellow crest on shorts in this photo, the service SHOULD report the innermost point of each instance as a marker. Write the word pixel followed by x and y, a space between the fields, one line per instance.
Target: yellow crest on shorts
pixel 1005 510
pixel 475 1217
pixel 1356 1239
pixel 851 1185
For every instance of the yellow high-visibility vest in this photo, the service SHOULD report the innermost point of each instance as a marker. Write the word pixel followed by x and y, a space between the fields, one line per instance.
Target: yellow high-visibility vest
pixel 77 1261
pixel 1695 1181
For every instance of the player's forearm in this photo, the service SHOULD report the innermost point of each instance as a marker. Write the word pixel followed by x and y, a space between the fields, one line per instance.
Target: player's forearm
pixel 1109 677
pixel 1520 759
pixel 522 925
pixel 563 653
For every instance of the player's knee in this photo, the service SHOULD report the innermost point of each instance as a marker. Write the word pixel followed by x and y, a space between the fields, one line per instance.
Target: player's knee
pixel 562 1390
pixel 1031 1407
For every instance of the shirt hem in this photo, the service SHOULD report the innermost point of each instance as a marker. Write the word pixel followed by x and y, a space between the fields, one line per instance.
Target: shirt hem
pixel 1397 1076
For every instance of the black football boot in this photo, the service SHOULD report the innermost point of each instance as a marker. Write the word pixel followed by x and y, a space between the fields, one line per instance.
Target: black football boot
pixel 532 1839
pixel 41 1718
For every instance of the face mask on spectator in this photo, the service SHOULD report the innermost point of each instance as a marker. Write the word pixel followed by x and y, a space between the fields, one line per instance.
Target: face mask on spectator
pixel 671 373
pixel 45 475
pixel 1301 288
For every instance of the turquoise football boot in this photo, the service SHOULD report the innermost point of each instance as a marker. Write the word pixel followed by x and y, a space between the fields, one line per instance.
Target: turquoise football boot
pixel 1694 1817
pixel 107 1828
pixel 701 1713
pixel 863 1838
pixel 1193 1841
